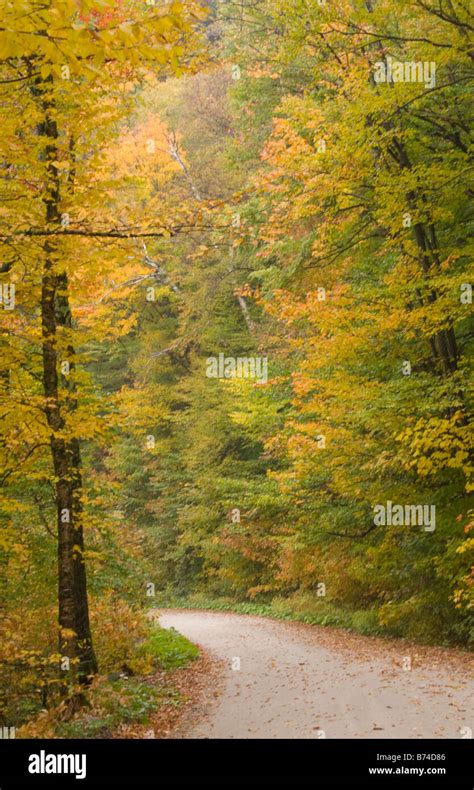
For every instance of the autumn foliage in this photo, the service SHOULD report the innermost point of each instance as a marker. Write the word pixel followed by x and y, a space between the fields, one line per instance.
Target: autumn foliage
pixel 179 183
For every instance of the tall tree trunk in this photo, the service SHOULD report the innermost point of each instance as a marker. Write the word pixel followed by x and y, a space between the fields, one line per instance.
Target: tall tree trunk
pixel 75 640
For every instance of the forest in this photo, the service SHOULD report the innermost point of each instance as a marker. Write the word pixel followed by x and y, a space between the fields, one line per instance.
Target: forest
pixel 235 327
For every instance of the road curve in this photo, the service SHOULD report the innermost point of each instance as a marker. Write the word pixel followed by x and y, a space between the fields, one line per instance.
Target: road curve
pixel 291 680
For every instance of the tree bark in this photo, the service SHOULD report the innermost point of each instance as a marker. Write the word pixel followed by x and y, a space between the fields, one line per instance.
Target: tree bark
pixel 75 639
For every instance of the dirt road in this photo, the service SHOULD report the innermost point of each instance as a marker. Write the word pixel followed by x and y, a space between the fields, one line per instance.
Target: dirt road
pixel 290 680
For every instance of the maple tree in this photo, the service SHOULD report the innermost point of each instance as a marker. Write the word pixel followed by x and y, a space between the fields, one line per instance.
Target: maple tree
pixel 68 74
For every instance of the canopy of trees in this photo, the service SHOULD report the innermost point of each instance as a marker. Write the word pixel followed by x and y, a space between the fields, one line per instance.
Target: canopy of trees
pixel 277 181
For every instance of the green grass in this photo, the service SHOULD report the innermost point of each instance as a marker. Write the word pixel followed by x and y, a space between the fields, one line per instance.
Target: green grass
pixel 169 649
pixel 132 700
pixel 123 701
